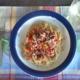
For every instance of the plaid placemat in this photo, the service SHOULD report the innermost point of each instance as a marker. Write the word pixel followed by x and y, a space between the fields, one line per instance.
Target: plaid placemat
pixel 8 68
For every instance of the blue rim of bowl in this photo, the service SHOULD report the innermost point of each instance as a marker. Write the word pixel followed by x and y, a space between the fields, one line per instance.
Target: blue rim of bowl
pixel 72 43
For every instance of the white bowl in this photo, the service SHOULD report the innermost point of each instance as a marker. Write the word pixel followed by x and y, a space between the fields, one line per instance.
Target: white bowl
pixel 21 35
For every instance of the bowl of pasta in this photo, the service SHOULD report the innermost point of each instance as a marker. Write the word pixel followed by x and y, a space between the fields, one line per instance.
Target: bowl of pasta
pixel 42 43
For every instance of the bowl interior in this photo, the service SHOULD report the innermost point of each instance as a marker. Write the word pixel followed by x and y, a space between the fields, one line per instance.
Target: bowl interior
pixel 21 35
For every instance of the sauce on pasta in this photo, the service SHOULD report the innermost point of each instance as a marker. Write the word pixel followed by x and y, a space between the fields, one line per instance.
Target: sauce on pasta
pixel 42 43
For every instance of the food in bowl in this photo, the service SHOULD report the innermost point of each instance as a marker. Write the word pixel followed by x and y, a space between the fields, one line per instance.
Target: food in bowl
pixel 43 43
pixel 64 47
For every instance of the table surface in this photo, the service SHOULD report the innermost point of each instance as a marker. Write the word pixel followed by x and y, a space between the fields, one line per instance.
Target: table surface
pixel 8 68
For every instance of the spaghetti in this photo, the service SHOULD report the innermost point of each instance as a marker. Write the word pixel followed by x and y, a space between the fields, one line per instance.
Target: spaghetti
pixel 42 44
